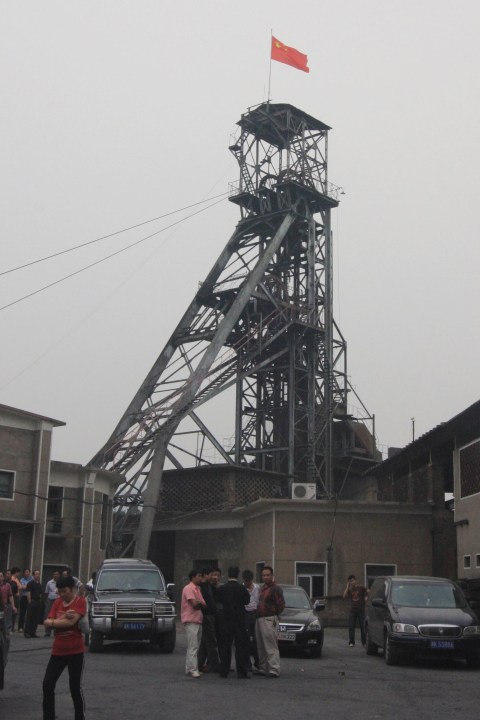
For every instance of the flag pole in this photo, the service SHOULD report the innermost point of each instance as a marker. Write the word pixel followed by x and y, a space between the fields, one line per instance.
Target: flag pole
pixel 270 69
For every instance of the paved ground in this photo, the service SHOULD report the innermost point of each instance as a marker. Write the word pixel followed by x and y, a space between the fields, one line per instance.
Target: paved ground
pixel 126 682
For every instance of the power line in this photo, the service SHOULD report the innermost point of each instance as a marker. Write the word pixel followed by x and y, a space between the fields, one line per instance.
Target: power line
pixel 107 257
pixel 105 237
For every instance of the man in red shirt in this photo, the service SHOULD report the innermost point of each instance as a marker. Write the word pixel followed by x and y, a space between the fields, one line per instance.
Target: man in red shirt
pixel 68 648
pixel 192 619
pixel 270 605
pixel 7 597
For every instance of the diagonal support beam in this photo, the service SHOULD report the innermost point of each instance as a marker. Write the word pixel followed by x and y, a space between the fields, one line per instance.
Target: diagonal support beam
pixel 182 406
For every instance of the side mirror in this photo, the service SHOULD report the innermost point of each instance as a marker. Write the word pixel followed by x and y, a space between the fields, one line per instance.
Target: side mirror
pixel 379 603
pixel 318 605
pixel 170 590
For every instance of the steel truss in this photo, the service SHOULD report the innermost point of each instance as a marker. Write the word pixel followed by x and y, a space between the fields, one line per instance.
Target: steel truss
pixel 261 324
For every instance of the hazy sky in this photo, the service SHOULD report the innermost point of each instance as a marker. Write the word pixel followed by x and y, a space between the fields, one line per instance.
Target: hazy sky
pixel 114 112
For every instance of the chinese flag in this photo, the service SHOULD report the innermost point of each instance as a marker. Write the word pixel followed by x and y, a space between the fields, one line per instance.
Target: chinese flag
pixel 288 55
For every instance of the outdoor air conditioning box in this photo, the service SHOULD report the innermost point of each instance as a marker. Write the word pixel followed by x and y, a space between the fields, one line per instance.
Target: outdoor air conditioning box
pixel 304 491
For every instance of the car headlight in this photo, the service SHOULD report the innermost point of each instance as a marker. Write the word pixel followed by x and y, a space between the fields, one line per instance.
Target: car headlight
pixel 314 625
pixel 405 628
pixel 471 630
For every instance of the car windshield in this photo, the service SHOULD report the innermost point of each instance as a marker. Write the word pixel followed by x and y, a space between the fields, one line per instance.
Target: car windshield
pixel 296 598
pixel 427 595
pixel 126 580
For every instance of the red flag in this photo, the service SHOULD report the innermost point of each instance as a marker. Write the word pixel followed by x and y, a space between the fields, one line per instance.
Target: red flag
pixel 288 55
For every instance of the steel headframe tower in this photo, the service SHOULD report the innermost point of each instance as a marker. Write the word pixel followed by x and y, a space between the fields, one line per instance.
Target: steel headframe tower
pixel 261 323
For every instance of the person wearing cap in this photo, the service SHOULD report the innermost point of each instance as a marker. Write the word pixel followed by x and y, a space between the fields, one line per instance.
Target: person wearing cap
pixel 357 594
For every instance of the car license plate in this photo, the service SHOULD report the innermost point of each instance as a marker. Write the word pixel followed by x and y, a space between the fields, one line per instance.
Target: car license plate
pixel 134 626
pixel 442 644
pixel 311 642
pixel 291 637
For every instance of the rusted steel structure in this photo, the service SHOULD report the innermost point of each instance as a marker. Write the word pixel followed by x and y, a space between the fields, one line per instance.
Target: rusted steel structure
pixel 260 324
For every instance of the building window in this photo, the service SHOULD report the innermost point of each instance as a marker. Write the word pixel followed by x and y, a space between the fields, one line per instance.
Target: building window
pixel 258 571
pixel 467 562
pixel 104 523
pixel 312 578
pixel 477 560
pixel 470 469
pixel 54 509
pixel 374 570
pixel 7 482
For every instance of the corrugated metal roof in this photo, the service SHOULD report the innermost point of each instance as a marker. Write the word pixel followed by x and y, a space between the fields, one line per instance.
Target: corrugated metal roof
pixel 439 434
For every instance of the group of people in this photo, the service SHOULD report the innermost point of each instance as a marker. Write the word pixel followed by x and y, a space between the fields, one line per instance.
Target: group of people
pixel 60 606
pixel 217 615
pixel 26 602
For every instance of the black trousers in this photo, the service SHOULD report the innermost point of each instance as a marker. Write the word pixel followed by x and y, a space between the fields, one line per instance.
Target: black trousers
pixel 208 646
pixel 32 618
pixel 233 630
pixel 22 611
pixel 56 665
pixel 356 614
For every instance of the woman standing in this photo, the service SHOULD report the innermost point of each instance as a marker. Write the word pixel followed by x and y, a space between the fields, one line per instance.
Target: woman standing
pixel 68 648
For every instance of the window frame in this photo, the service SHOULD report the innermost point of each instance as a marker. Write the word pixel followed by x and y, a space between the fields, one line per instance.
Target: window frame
pixel 54 521
pixel 467 562
pixel 310 575
pixel 13 476
pixel 382 565
pixel 460 449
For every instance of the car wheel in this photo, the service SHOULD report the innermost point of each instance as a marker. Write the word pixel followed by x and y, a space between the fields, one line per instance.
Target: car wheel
pixel 370 647
pixel 473 660
pixel 156 644
pixel 390 653
pixel 315 651
pixel 96 641
pixel 168 641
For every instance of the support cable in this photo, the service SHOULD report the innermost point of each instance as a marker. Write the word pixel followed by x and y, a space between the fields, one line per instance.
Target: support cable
pixel 107 257
pixel 117 232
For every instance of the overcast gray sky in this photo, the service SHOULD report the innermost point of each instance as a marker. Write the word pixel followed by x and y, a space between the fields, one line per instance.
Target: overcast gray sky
pixel 114 112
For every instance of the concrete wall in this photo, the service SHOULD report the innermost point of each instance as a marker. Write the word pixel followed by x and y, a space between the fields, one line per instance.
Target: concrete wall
pixel 223 545
pixel 467 514
pixel 359 534
pixel 283 532
pixel 25 450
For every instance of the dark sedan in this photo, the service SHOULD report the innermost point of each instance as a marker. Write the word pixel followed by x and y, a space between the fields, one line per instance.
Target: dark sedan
pixel 408 616
pixel 300 627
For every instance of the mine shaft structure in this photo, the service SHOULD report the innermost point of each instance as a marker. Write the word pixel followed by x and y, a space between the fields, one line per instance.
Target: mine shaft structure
pixel 260 325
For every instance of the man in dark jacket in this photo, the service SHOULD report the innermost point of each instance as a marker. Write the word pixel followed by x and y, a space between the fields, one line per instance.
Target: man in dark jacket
pixel 34 598
pixel 208 646
pixel 234 597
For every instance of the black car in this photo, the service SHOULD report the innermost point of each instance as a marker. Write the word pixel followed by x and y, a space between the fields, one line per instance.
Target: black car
pixel 409 616
pixel 300 627
pixel 4 644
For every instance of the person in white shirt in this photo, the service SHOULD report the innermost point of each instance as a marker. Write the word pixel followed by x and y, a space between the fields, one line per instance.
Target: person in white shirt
pixel 251 615
pixel 51 595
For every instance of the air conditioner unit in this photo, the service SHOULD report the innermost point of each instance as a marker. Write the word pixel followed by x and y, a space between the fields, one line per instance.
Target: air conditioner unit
pixel 304 491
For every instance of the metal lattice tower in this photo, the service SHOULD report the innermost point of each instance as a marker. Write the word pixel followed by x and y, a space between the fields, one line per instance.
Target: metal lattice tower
pixel 260 324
